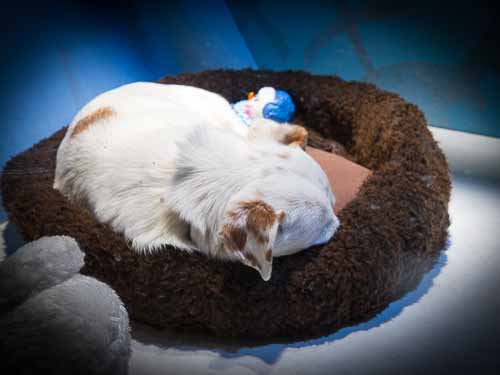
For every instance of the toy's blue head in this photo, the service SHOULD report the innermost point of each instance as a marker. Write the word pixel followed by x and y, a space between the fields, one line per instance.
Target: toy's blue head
pixel 281 109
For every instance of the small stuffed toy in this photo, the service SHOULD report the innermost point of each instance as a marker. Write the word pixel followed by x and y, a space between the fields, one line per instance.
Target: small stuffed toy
pixel 269 103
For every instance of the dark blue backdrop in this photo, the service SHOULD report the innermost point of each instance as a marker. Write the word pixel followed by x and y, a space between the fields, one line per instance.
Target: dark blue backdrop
pixel 57 55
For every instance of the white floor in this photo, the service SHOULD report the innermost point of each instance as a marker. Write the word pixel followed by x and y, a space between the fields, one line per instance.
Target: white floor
pixel 451 323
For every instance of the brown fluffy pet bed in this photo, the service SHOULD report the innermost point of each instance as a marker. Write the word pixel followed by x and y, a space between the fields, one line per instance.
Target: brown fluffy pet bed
pixel 391 233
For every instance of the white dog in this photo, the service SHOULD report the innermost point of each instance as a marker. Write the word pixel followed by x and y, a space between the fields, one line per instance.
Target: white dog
pixel 174 165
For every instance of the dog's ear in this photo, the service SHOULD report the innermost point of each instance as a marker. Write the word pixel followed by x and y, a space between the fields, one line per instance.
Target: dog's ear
pixel 260 216
pixel 234 236
pixel 249 234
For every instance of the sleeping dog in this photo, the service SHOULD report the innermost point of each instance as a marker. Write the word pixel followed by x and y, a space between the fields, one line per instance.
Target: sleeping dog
pixel 174 165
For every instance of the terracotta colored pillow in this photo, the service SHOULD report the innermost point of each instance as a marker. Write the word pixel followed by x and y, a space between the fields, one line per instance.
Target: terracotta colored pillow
pixel 345 176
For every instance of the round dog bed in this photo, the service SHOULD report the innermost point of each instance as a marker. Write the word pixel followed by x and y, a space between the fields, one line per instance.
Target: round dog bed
pixel 391 233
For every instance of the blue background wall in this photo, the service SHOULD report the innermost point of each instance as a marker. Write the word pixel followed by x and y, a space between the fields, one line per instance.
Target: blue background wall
pixel 442 57
pixel 57 55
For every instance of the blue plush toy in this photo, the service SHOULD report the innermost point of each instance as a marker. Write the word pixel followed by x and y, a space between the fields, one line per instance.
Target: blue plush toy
pixel 269 103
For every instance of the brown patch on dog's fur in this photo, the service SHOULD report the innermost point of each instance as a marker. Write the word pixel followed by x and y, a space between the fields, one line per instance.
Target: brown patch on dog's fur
pixel 252 259
pixel 296 137
pixel 283 155
pixel 269 255
pixel 261 239
pixel 87 121
pixel 260 215
pixel 234 237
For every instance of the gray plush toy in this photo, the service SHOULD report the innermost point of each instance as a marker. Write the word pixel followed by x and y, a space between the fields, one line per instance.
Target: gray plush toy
pixel 54 319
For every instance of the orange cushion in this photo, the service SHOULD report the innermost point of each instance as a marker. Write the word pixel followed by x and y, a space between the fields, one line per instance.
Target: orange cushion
pixel 345 176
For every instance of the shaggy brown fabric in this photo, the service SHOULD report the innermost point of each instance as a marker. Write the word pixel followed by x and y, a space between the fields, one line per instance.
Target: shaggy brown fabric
pixel 390 234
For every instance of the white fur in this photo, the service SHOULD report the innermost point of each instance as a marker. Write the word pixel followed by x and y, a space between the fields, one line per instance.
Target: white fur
pixel 171 162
